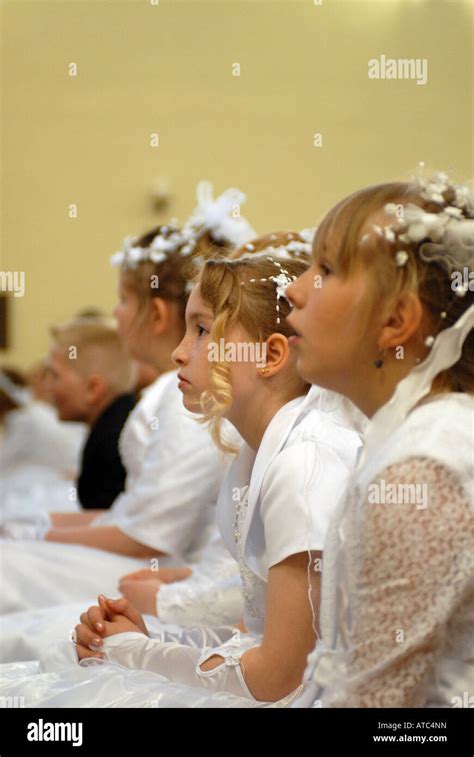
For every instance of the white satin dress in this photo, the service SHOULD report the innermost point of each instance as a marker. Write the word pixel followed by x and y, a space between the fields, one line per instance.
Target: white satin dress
pixel 274 503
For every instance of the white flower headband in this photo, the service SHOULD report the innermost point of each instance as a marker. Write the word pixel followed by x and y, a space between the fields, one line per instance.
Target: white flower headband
pixel 445 238
pixel 294 248
pixel 213 216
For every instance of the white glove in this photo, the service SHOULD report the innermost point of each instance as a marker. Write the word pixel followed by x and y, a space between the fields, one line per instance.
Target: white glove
pixel 180 663
pixel 195 636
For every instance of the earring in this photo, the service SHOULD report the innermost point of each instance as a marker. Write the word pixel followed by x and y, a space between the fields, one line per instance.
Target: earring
pixel 264 370
pixel 379 362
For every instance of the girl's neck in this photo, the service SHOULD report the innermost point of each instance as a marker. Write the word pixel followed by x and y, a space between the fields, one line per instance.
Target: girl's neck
pixel 252 417
pixel 375 391
pixel 370 399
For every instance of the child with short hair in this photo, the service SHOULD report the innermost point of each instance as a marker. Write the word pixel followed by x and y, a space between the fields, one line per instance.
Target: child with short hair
pixel 92 377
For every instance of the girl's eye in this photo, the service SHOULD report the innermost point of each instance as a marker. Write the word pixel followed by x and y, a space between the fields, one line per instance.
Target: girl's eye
pixel 201 330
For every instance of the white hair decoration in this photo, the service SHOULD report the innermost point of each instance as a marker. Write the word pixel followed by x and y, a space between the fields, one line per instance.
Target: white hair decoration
pixel 293 249
pixel 210 215
pixel 445 238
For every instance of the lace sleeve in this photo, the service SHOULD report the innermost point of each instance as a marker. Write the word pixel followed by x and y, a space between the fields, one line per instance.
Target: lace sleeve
pixel 416 566
pixel 211 596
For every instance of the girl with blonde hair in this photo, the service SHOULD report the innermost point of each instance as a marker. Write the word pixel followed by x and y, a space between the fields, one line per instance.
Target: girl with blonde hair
pixel 385 316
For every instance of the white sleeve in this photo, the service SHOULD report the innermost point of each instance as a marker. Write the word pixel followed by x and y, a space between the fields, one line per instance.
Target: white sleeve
pixel 412 593
pixel 180 662
pixel 170 501
pixel 308 480
pixel 210 596
pixel 201 599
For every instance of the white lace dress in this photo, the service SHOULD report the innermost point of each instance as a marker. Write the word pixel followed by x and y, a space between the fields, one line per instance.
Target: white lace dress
pixel 397 613
pixel 173 477
pixel 273 504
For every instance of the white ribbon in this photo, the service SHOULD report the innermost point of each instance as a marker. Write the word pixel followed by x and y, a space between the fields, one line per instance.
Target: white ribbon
pixel 445 352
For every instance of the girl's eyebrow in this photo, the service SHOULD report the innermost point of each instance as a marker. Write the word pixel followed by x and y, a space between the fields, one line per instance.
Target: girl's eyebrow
pixel 199 316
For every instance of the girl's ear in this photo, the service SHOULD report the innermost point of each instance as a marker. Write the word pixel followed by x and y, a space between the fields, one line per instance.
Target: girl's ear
pixel 277 353
pixel 160 315
pixel 403 322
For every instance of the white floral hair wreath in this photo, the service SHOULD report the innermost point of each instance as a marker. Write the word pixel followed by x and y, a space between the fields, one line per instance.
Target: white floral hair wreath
pixel 210 215
pixel 445 238
pixel 18 394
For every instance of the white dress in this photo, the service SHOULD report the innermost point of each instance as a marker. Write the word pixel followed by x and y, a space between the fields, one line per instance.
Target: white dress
pixel 174 473
pixel 212 595
pixel 273 503
pixel 397 612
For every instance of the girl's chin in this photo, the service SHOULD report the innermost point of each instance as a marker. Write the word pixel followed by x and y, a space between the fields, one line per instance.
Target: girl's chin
pixel 192 404
pixel 306 370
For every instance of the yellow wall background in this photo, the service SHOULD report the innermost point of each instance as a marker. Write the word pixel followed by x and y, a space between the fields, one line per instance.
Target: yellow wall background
pixel 167 68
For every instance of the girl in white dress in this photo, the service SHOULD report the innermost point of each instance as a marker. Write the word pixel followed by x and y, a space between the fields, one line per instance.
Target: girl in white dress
pixel 273 512
pixel 385 316
pixel 171 488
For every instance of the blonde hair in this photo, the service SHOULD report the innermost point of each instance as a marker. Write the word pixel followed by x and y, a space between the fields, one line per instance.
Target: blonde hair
pixel 377 254
pixel 98 349
pixel 240 290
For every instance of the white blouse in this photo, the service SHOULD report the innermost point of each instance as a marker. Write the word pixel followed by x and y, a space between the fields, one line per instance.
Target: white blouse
pixel 278 502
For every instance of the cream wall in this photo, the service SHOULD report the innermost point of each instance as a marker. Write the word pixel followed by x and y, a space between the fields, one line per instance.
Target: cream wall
pixel 167 68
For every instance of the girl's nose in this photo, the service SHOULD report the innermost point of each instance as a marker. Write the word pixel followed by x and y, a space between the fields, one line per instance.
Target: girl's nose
pixel 291 293
pixel 178 356
pixel 294 293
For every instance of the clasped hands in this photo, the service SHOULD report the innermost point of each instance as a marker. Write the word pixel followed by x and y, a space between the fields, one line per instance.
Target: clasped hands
pixel 109 617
